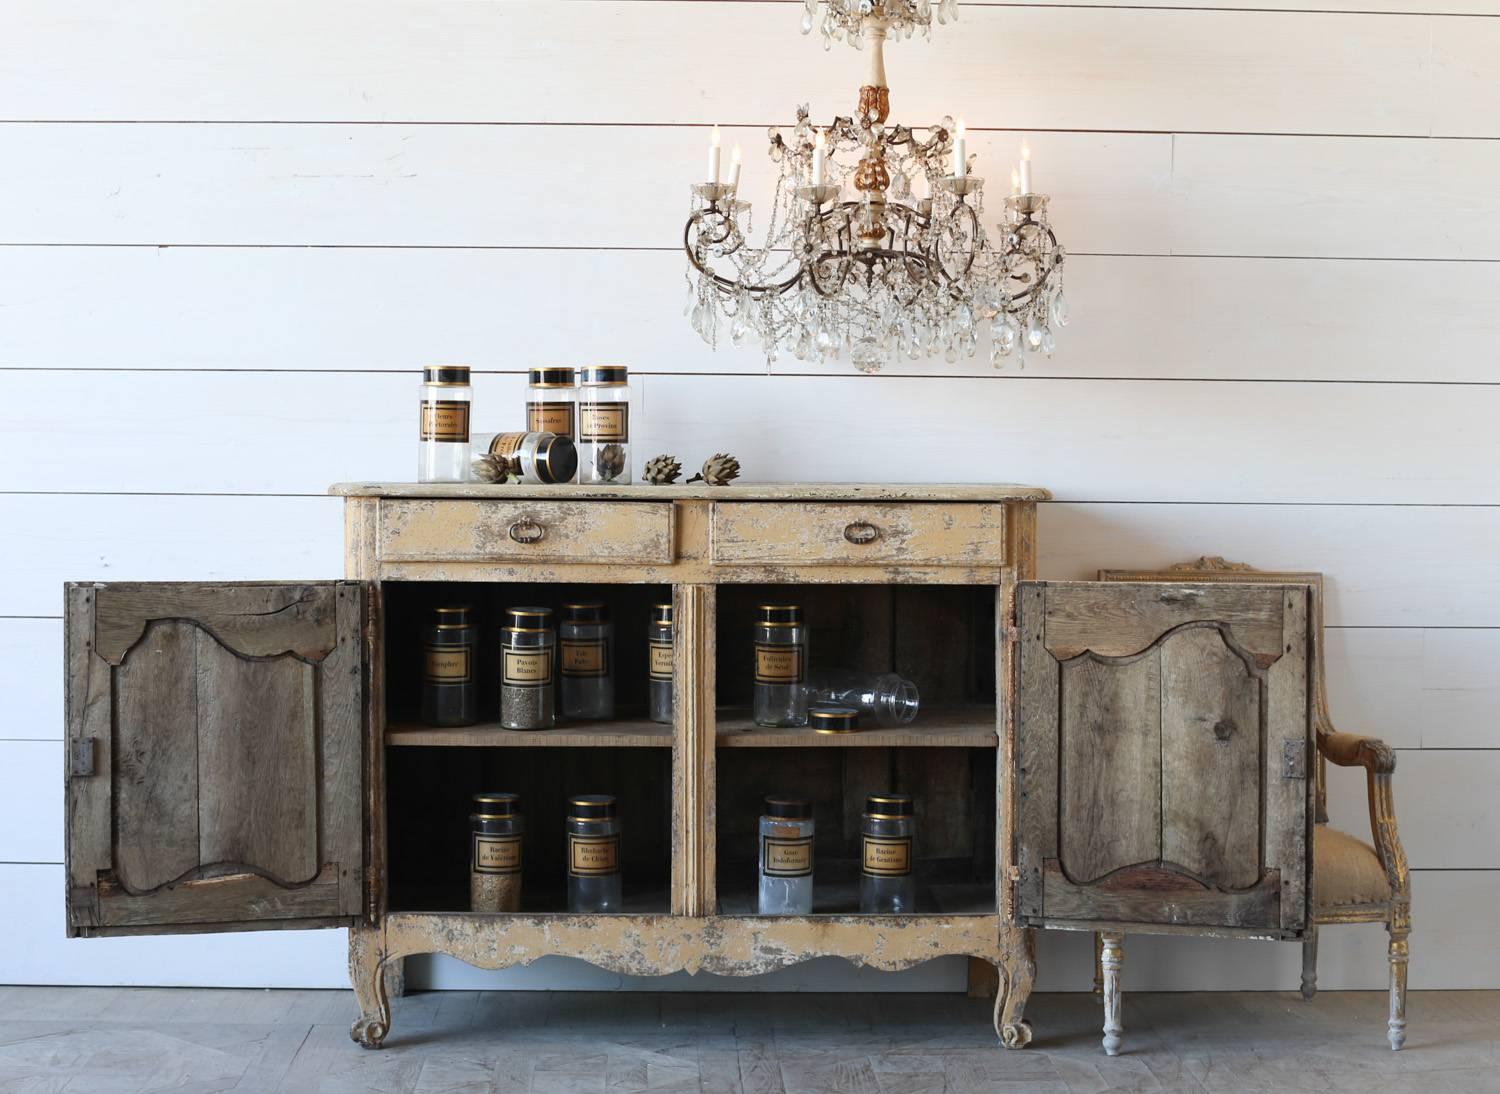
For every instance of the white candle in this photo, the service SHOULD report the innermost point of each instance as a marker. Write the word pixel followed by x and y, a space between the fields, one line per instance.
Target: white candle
pixel 734 168
pixel 960 152
pixel 1015 183
pixel 1025 179
pixel 713 156
pixel 820 153
pixel 919 188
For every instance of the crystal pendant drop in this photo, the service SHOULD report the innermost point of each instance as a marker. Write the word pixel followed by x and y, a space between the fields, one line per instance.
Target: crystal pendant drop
pixel 1049 343
pixel 1034 333
pixel 1060 309
pixel 807 22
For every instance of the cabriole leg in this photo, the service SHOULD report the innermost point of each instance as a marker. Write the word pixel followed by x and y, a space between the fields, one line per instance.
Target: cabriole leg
pixel 1017 969
pixel 1099 966
pixel 367 976
pixel 1310 963
pixel 1112 960
pixel 1396 1029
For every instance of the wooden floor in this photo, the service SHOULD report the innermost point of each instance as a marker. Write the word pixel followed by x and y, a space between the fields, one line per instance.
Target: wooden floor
pixel 128 1040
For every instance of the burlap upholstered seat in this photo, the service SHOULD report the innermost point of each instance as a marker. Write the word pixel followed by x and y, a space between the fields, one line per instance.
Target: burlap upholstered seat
pixel 1346 871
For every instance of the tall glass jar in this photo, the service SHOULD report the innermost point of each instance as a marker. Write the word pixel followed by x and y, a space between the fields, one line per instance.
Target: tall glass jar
pixel 604 425
pixel 529 457
pixel 594 883
pixel 889 699
pixel 450 655
pixel 443 429
pixel 527 645
pixel 495 853
pixel 886 884
pixel 786 858
pixel 659 663
pixel 586 660
pixel 552 404
pixel 779 698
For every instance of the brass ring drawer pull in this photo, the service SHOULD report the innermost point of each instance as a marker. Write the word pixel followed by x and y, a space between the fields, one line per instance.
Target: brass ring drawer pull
pixel 861 532
pixel 527 530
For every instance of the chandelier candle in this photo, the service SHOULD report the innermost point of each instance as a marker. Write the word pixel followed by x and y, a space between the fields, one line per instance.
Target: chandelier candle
pixel 443 430
pixel 604 425
pixel 713 156
pixel 1025 176
pixel 960 153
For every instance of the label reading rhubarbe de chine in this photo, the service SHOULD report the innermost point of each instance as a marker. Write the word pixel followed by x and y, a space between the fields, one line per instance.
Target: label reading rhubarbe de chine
pixel 593 856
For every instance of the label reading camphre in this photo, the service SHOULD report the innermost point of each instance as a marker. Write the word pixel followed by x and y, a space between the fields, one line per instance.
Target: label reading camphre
pixel 593 856
pixel 604 422
pixel 661 660
pixel 445 422
pixel 585 657
pixel 497 854
pixel 528 668
pixel 788 857
pixel 887 856
pixel 778 664
pixel 448 665
pixel 550 418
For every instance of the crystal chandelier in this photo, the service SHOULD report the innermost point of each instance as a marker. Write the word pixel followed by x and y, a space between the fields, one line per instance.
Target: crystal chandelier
pixel 884 254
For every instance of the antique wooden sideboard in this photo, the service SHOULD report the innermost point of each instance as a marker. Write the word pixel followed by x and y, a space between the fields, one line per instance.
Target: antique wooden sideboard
pixel 246 756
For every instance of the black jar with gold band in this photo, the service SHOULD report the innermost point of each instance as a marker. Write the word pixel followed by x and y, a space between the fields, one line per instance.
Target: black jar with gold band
pixel 450 656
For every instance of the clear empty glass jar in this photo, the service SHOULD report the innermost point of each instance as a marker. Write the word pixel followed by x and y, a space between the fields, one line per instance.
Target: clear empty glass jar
pixel 526 457
pixel 884 697
pixel 786 858
pixel 495 853
pixel 659 663
pixel 586 660
pixel 552 402
pixel 779 698
pixel 450 655
pixel 886 884
pixel 594 883
pixel 527 646
pixel 443 429
pixel 604 424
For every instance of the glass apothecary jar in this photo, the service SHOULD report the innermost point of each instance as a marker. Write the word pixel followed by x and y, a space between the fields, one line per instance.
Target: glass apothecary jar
pixel 443 428
pixel 586 661
pixel 552 402
pixel 886 884
pixel 527 647
pixel 450 656
pixel 527 457
pixel 495 853
pixel 883 697
pixel 594 881
pixel 786 858
pixel 604 425
pixel 659 646
pixel 779 699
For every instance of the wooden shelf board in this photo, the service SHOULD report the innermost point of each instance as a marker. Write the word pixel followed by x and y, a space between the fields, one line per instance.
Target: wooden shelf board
pixel 842 899
pixel 621 733
pixel 961 727
pixel 741 491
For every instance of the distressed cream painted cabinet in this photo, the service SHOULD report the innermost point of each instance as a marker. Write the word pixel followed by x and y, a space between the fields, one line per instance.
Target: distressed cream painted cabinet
pixel 245 756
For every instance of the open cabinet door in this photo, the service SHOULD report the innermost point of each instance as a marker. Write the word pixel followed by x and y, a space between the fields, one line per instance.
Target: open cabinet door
pixel 1163 738
pixel 215 759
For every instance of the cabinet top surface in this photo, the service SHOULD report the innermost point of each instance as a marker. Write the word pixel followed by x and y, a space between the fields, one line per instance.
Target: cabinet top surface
pixel 746 491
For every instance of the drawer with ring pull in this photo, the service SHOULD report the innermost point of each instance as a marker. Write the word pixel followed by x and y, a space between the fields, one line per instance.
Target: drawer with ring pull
pixel 856 533
pixel 438 530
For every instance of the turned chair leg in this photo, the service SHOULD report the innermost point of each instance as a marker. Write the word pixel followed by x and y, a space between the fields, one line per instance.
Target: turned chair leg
pixel 1310 963
pixel 1098 966
pixel 1396 1028
pixel 1112 960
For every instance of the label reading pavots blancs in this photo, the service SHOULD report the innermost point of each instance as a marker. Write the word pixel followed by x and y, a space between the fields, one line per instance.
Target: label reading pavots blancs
pixel 528 668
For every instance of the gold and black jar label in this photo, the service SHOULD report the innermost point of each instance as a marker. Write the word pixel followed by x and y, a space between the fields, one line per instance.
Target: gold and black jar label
pixel 593 856
pixel 777 664
pixel 604 422
pixel 661 660
pixel 787 857
pixel 531 668
pixel 585 657
pixel 551 418
pixel 448 665
pixel 445 421
pixel 497 854
pixel 886 856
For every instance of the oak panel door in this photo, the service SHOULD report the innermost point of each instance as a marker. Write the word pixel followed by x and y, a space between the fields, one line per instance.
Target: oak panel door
pixel 216 737
pixel 1163 737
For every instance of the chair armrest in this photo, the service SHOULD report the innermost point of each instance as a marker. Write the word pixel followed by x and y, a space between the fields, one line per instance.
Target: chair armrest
pixel 1352 750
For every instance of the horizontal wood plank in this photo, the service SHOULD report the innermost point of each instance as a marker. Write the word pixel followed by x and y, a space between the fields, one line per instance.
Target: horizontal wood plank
pixel 619 733
pixel 969 727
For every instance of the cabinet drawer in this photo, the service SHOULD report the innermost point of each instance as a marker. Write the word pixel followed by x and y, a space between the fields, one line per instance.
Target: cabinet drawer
pixel 856 533
pixel 432 530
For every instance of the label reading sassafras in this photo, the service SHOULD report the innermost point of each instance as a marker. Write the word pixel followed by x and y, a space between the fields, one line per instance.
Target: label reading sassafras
pixel 584 657
pixel 445 421
pixel 550 418
pixel 448 665
pixel 887 856
pixel 661 660
pixel 778 664
pixel 497 854
pixel 788 857
pixel 604 422
pixel 528 668
pixel 593 856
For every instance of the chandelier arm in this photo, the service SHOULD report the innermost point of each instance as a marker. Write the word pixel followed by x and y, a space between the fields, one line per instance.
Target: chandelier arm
pixel 973 217
pixel 1019 301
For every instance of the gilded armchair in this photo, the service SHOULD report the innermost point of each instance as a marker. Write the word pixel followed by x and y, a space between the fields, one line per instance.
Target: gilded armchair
pixel 1352 881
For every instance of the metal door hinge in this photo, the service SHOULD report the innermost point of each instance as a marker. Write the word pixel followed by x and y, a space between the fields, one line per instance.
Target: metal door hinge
pixel 81 757
pixel 1294 759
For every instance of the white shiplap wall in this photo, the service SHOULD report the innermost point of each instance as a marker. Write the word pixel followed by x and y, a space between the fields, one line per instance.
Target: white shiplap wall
pixel 229 233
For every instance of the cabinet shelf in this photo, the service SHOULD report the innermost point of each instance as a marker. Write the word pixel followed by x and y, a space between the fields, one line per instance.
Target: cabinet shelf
pixel 954 727
pixel 620 733
pixel 842 899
